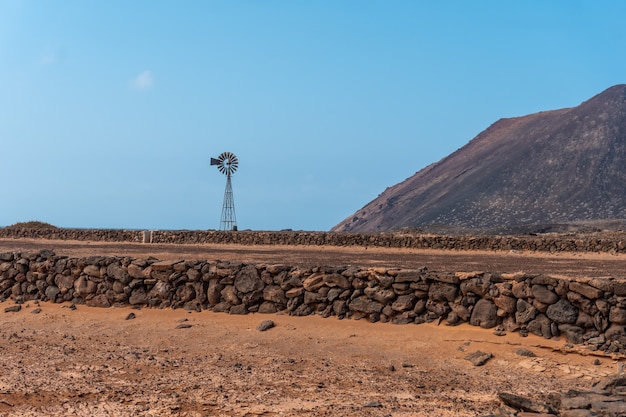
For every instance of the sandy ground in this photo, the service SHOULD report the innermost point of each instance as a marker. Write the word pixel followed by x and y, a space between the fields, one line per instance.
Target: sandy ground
pixel 90 362
pixel 95 362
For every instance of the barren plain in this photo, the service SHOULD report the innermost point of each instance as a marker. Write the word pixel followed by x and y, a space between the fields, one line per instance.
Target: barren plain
pixel 55 360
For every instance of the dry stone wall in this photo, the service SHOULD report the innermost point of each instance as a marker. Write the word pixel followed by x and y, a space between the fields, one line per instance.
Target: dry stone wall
pixel 614 242
pixel 591 311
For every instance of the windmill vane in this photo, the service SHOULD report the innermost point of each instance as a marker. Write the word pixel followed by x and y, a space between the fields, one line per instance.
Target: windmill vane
pixel 227 164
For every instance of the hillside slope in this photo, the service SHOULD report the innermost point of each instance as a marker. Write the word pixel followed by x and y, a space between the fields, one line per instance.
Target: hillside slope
pixel 555 167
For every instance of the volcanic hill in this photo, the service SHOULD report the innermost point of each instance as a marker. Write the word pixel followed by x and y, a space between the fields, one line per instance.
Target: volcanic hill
pixel 547 171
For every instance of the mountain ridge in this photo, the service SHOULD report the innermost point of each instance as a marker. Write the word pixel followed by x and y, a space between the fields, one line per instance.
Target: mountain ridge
pixel 552 167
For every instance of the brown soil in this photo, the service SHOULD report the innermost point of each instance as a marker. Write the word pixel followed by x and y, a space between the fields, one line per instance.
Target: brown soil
pixel 92 361
pixel 554 264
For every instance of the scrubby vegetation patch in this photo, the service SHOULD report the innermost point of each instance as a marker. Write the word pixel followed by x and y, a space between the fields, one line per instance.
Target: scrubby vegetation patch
pixel 32 224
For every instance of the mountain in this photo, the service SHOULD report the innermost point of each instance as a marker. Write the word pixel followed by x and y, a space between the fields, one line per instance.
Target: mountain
pixel 530 173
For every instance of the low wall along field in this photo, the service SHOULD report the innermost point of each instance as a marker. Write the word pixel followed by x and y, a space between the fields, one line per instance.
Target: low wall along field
pixel 590 311
pixel 602 242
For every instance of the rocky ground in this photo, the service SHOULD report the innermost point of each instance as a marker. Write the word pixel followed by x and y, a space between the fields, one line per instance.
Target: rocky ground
pixel 90 361
pixel 56 360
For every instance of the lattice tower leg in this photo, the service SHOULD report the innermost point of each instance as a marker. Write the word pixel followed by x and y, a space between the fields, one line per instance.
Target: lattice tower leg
pixel 229 220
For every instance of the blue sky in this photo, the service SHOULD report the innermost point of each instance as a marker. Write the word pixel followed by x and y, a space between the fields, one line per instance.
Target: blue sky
pixel 110 110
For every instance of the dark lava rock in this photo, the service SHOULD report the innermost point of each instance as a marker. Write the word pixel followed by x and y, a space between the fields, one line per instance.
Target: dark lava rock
pixel 265 325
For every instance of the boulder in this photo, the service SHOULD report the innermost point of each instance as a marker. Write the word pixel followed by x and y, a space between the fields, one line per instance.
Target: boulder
pixel 619 288
pixel 485 314
pixel 448 277
pixel 186 293
pixel 617 315
pixel 193 275
pixel 222 307
pixel 6 256
pixel 476 286
pixel 584 320
pixel 365 305
pixel 600 322
pixel 92 271
pixel 13 309
pixel 340 307
pixel 581 302
pixel 118 287
pixel 336 280
pixel 200 289
pixel 135 271
pixel 314 282
pixel 214 292
pixel 380 295
pixel 248 280
pixel 586 290
pixel 117 272
pixel 615 332
pixel 230 295
pixel 562 312
pixel 294 292
pixel 164 265
pixel 99 300
pixel 138 297
pixel 161 291
pixel 521 290
pixel 461 311
pixel 543 280
pixel 573 334
pixel 52 291
pixel 238 309
pixel 544 295
pixel 524 404
pixel 265 325
pixel 506 303
pixel 64 282
pixel 333 294
pixel 540 326
pixel 275 294
pixel 84 286
pixel 404 302
pixel 302 310
pixel 441 291
pixel 437 308
pixel 479 358
pixel 408 276
pixel 312 297
pixel 267 307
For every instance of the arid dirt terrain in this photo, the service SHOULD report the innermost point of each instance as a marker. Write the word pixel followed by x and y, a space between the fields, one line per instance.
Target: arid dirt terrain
pixel 59 361
pixel 555 264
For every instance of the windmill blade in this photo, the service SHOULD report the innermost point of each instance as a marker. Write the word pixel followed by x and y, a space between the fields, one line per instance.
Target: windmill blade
pixel 233 166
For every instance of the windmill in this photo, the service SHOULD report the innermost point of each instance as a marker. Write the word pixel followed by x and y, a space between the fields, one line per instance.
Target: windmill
pixel 227 164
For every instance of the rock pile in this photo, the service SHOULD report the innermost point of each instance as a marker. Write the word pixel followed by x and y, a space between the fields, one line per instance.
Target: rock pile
pixel 591 311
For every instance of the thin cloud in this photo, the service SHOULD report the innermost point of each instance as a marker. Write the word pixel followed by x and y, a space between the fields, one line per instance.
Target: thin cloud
pixel 52 57
pixel 143 81
pixel 48 59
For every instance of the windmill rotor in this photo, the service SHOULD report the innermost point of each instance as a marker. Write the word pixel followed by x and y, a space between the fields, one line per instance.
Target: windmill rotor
pixel 227 163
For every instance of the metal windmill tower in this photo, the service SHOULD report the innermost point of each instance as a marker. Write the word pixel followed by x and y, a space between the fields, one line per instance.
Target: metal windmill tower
pixel 227 163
